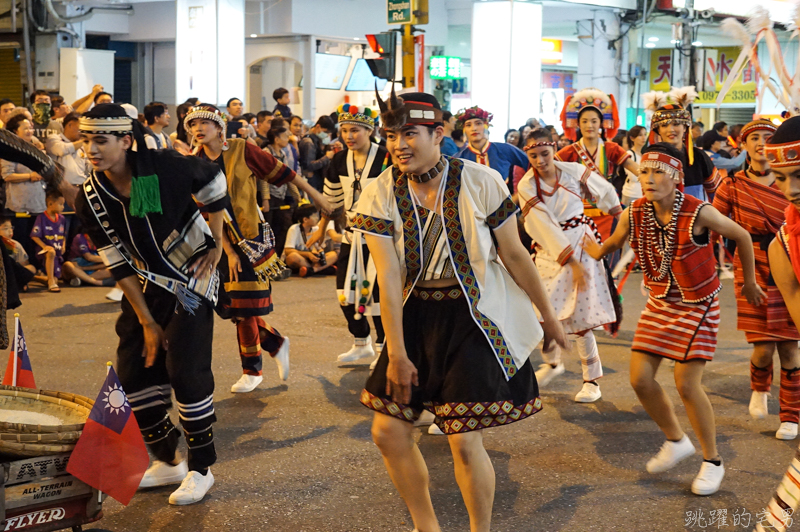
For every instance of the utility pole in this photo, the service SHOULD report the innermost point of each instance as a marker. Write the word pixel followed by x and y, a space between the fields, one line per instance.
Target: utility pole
pixel 686 47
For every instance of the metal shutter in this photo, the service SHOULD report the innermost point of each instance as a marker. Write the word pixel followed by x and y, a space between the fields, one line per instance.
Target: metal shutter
pixel 11 80
pixel 735 115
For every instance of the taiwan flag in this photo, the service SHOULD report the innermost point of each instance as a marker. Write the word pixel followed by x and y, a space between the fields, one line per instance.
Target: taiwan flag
pixel 19 371
pixel 110 455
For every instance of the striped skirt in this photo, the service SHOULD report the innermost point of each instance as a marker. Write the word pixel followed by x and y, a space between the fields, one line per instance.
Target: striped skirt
pixel 770 322
pixel 246 298
pixel 681 331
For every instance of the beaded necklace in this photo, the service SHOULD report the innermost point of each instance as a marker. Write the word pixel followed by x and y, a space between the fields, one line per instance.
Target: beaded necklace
pixel 658 239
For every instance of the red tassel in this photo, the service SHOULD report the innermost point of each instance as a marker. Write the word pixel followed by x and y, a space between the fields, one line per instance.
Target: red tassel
pixel 612 132
pixel 568 131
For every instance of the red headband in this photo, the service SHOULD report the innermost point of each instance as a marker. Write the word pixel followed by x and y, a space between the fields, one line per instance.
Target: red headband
pixel 783 155
pixel 539 145
pixel 663 158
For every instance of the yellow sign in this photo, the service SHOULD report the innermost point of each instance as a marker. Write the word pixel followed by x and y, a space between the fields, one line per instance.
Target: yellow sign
pixel 551 52
pixel 743 89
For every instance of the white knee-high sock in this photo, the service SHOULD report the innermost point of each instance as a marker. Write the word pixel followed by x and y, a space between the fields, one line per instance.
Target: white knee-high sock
pixel 590 356
pixel 552 357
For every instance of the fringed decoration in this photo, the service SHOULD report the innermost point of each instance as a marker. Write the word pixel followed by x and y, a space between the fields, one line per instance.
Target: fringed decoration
pixel 145 196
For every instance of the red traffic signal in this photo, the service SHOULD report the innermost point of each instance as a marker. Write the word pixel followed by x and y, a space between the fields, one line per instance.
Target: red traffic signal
pixel 384 44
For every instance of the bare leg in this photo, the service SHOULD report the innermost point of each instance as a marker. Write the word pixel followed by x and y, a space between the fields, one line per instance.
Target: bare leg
pixel 73 271
pixel 296 261
pixel 406 468
pixel 763 353
pixel 475 477
pixel 652 396
pixel 789 355
pixel 330 260
pixel 688 377
pixel 49 266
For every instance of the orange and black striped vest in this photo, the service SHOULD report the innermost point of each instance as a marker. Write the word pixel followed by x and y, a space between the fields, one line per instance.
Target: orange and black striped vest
pixel 693 268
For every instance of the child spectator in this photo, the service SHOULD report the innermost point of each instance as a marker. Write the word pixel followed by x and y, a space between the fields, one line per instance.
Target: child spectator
pixel 23 269
pixel 85 264
pixel 48 235
pixel 281 96
pixel 298 257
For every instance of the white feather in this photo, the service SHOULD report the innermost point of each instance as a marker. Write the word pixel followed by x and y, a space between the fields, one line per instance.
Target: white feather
pixel 758 20
pixel 736 29
pixel 683 95
pixel 653 100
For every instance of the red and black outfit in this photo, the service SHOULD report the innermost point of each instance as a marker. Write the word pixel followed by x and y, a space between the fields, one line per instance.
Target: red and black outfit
pixel 681 318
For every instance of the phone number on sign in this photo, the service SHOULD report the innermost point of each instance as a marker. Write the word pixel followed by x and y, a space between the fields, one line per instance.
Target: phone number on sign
pixel 733 96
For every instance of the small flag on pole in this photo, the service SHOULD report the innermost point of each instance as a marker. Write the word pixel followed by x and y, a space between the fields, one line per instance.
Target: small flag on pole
pixel 111 455
pixel 19 371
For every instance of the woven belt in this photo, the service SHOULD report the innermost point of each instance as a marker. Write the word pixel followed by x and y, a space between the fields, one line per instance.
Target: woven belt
pixel 577 221
pixel 445 294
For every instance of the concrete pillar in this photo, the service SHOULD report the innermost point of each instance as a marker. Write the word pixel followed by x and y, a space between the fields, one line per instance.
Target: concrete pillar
pixel 209 50
pixel 309 78
pixel 599 66
pixel 506 32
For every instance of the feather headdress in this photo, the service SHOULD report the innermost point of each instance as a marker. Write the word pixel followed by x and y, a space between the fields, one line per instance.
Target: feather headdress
pixel 671 108
pixel 590 98
pixel 412 108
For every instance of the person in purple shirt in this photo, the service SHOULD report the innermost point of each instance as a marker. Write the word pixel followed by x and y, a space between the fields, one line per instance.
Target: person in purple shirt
pixel 84 264
pixel 498 156
pixel 48 235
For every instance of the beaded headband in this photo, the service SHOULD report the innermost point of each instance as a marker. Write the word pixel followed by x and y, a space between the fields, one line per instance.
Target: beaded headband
pixel 350 114
pixel 539 144
pixel 206 112
pixel 114 125
pixel 663 117
pixel 783 155
pixel 663 162
pixel 757 125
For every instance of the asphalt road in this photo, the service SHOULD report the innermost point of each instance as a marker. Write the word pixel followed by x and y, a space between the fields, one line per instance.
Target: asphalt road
pixel 298 457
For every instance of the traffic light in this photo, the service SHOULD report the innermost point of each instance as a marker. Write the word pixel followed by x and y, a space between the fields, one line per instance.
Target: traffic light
pixel 385 45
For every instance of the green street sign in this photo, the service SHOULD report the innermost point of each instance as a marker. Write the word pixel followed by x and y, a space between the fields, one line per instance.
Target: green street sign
pixel 398 11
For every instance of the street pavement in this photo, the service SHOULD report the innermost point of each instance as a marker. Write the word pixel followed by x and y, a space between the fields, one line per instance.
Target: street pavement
pixel 298 456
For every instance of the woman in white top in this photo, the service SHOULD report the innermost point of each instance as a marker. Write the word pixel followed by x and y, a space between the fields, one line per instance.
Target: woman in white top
pixel 632 189
pixel 551 195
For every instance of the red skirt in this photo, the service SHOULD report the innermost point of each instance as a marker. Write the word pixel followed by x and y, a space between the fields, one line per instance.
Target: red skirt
pixel 770 322
pixel 681 331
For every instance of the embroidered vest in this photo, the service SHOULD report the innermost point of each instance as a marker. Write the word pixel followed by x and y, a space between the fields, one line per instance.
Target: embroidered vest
pixel 242 188
pixel 693 268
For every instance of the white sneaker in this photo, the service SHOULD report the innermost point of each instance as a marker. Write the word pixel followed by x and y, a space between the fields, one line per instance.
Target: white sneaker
pixel 362 348
pixel 163 474
pixel 193 488
pixel 115 294
pixel 246 383
pixel 75 282
pixel 708 479
pixel 788 431
pixel 758 405
pixel 282 359
pixel 670 454
pixel 434 430
pixel 589 393
pixel 547 373
pixel 424 419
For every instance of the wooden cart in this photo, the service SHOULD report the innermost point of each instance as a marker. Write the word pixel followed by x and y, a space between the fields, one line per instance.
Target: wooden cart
pixel 38 495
